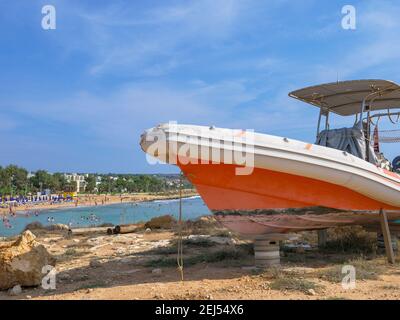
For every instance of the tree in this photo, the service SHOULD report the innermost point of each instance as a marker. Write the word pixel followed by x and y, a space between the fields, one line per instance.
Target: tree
pixel 41 180
pixel 13 180
pixel 90 183
pixel 58 182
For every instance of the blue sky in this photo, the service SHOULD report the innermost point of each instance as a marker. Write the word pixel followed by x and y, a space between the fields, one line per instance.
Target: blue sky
pixel 77 98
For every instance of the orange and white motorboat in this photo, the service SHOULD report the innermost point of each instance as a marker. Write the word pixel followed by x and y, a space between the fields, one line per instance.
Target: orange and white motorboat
pixel 258 184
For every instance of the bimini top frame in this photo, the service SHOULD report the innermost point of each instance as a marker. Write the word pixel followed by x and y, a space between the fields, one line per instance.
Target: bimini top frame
pixel 354 97
pixel 351 97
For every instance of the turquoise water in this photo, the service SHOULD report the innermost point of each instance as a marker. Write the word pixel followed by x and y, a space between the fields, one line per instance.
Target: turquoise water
pixel 116 214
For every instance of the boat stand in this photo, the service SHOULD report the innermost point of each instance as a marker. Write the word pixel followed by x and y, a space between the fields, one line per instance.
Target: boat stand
pixel 322 238
pixel 386 236
pixel 266 253
pixel 266 249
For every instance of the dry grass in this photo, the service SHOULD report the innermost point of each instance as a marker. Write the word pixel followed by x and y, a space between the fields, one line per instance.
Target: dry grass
pixel 226 255
pixel 289 280
pixel 353 239
pixel 205 226
pixel 294 284
pixel 161 222
pixel 365 270
pixel 70 252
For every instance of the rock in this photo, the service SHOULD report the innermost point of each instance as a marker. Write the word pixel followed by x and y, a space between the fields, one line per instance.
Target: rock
pixel 59 227
pixel 120 251
pixel 130 271
pixel 214 239
pixel 222 240
pixel 125 260
pixel 15 291
pixel 94 263
pixel 160 243
pixel 311 292
pixel 76 240
pixel 148 230
pixel 157 271
pixel 159 296
pixel 29 297
pixel 21 262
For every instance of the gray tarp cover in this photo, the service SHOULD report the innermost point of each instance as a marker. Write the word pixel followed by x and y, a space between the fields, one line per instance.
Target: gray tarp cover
pixel 350 140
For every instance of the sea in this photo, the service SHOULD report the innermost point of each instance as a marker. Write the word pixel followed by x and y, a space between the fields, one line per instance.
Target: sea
pixel 120 213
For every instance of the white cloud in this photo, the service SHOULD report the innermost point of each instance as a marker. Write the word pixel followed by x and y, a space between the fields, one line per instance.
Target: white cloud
pixel 147 40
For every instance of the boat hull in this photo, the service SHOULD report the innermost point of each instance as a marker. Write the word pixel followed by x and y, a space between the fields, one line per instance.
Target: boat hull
pixel 285 174
pixel 223 190
pixel 261 203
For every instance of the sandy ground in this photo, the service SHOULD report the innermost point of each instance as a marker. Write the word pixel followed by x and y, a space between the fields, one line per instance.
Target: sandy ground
pixel 97 200
pixel 142 266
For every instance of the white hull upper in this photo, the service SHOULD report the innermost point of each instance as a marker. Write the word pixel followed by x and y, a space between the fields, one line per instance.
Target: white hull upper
pixel 277 154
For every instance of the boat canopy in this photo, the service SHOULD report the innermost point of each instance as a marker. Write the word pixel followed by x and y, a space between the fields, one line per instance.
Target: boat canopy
pixel 351 97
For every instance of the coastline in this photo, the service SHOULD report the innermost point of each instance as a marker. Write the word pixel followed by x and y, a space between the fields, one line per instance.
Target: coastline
pixel 102 200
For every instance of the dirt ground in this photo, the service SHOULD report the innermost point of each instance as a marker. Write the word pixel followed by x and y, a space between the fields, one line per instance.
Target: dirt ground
pixel 142 265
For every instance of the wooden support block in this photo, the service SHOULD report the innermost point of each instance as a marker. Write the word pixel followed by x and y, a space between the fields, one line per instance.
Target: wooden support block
pixel 386 236
pixel 322 237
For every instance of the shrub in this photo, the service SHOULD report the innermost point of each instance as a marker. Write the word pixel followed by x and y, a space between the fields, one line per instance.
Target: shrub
pixel 36 225
pixel 353 239
pixel 162 222
pixel 365 270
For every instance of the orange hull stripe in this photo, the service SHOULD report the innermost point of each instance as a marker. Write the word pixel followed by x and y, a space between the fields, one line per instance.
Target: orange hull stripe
pixel 222 189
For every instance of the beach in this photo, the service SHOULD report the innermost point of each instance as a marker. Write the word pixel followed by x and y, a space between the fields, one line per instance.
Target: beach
pixel 91 200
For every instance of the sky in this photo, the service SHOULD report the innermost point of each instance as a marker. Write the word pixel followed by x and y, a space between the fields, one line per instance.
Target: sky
pixel 76 98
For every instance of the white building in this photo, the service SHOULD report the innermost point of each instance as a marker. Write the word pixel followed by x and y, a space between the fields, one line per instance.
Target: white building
pixel 80 180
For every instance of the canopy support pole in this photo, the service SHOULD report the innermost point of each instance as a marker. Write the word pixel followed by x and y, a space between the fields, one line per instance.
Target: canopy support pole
pixel 327 121
pixel 319 122
pixel 386 236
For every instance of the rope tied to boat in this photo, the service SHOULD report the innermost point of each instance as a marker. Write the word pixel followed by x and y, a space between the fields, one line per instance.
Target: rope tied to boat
pixel 179 258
